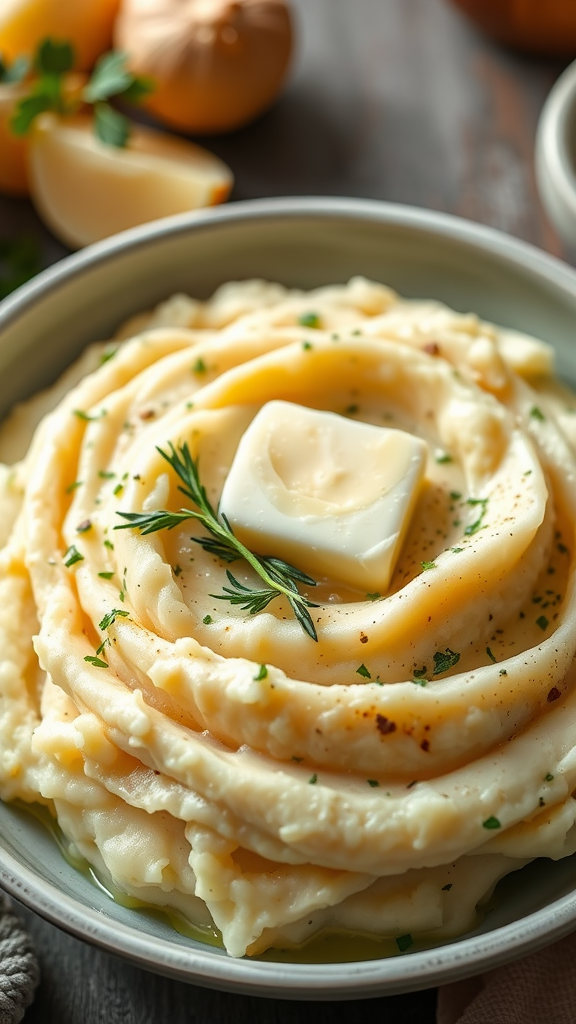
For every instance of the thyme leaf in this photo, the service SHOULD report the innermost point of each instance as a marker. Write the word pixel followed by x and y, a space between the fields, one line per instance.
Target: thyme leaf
pixel 280 578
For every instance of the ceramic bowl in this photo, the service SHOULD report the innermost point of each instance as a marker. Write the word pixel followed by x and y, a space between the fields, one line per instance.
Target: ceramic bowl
pixel 555 157
pixel 300 242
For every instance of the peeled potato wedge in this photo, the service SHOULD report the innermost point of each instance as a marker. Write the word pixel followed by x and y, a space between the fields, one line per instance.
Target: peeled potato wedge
pixel 87 24
pixel 85 190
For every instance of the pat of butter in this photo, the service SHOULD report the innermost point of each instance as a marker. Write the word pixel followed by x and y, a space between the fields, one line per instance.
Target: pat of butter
pixel 330 495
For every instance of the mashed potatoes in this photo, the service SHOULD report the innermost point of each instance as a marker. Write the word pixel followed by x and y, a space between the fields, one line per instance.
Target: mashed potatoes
pixel 379 780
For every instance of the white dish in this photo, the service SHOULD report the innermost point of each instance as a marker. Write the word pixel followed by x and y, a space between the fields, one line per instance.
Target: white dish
pixel 302 242
pixel 555 157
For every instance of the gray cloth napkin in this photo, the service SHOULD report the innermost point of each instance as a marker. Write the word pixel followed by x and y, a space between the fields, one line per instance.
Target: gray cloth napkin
pixel 19 973
pixel 539 989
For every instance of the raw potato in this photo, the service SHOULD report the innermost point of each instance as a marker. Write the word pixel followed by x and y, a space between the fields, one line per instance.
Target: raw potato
pixel 87 24
pixel 217 64
pixel 85 190
pixel 13 148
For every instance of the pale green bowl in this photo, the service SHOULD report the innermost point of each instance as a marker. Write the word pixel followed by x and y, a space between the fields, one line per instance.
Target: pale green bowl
pixel 300 242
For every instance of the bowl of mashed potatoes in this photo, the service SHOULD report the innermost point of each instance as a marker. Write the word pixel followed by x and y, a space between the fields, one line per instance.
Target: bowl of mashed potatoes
pixel 288 527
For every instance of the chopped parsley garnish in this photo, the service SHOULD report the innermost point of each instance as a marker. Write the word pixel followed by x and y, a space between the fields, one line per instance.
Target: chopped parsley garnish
pixel 490 655
pixel 420 673
pixel 456 551
pixel 446 888
pixel 82 415
pixel 537 413
pixel 475 526
pixel 104 475
pixel 373 782
pixel 445 660
pixel 20 259
pixel 428 565
pixel 72 487
pixel 313 779
pixel 404 942
pixel 106 575
pixel 542 621
pixel 374 596
pixel 443 457
pixel 93 660
pixel 262 672
pixel 108 353
pixel 71 556
pixel 207 620
pixel 363 671
pixel 307 345
pixel 118 489
pixel 199 366
pixel 548 777
pixel 108 544
pixel 351 410
pixel 177 570
pixel 309 320
pixel 280 578
pixel 491 823
pixel 503 672
pixel 455 495
pixel 110 618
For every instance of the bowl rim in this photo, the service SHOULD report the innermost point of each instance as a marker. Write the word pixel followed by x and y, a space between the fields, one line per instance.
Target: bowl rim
pixel 452 961
pixel 554 168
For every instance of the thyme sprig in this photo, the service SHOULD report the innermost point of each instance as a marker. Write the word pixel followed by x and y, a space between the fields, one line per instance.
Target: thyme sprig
pixel 280 578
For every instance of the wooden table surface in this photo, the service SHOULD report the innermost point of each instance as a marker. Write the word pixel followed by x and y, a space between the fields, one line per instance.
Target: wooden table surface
pixel 400 100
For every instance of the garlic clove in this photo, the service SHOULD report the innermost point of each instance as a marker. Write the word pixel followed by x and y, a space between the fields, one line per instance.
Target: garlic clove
pixel 85 190
pixel 217 63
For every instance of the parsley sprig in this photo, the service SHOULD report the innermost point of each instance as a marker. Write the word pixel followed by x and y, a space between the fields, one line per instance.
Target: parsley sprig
pixel 20 259
pixel 280 578
pixel 110 79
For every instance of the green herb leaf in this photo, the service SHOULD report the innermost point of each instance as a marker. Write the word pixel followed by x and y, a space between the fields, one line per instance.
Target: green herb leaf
pixel 537 414
pixel 93 660
pixel 207 620
pixel 404 942
pixel 443 457
pixel 54 57
pixel 445 660
pixel 309 320
pixel 363 671
pixel 373 782
pixel 199 366
pixel 140 87
pixel 491 823
pixel 542 621
pixel 280 577
pixel 106 575
pixel 15 72
pixel 262 672
pixel 373 597
pixel 110 618
pixel 109 78
pixel 110 126
pixel 71 556
pixel 428 565
pixel 313 779
pixel 27 110
pixel 19 261
pixel 490 655
pixel 548 777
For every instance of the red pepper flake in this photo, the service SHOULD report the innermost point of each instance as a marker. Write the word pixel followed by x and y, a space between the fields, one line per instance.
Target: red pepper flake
pixel 432 348
pixel 384 725
pixel 554 694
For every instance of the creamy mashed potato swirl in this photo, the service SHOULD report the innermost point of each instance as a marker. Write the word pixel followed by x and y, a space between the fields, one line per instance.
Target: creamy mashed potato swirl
pixel 379 780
